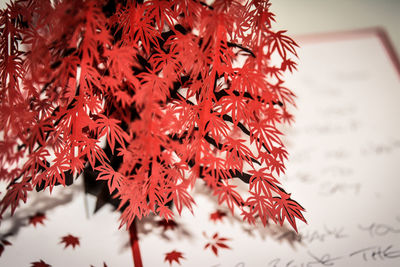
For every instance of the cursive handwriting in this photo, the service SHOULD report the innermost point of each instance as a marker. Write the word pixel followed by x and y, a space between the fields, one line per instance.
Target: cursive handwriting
pixel 383 148
pixel 324 260
pixel 379 229
pixel 373 253
pixel 326 233
pixel 376 253
pixel 329 188
pixel 239 264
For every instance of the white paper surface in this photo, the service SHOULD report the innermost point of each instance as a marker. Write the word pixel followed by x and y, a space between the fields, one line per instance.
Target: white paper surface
pixel 344 168
pixel 100 241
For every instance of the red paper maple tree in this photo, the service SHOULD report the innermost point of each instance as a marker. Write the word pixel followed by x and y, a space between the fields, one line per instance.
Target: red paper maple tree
pixel 148 96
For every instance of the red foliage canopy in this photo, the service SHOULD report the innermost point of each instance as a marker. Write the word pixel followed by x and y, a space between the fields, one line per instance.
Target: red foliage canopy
pixel 178 90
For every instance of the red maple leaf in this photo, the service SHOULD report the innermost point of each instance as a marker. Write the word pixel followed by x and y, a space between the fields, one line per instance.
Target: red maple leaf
pixel 2 244
pixel 216 242
pixel 170 224
pixel 289 209
pixel 217 216
pixel 37 218
pixel 40 263
pixel 70 240
pixel 173 256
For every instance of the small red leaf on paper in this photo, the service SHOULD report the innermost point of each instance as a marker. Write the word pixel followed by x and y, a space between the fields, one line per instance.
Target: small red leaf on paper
pixel 173 256
pixel 104 265
pixel 2 244
pixel 214 249
pixel 6 243
pixel 216 242
pixel 170 224
pixel 70 240
pixel 37 218
pixel 40 263
pixel 217 216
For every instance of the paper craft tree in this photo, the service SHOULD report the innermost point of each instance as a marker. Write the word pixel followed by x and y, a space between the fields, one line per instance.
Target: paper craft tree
pixel 149 96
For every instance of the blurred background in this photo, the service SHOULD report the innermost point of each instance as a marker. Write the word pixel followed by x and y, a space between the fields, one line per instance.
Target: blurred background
pixel 301 17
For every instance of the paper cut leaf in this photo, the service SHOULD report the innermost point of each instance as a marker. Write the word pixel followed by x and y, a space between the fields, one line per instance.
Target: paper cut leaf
pixel 2 244
pixel 173 256
pixel 289 209
pixel 40 263
pixel 216 243
pixel 170 224
pixel 37 218
pixel 70 240
pixel 217 216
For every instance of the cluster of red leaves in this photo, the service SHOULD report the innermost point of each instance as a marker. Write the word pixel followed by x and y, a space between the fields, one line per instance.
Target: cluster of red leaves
pixel 178 90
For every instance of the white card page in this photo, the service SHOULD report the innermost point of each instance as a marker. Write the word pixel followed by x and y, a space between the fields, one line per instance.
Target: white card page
pixel 344 169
